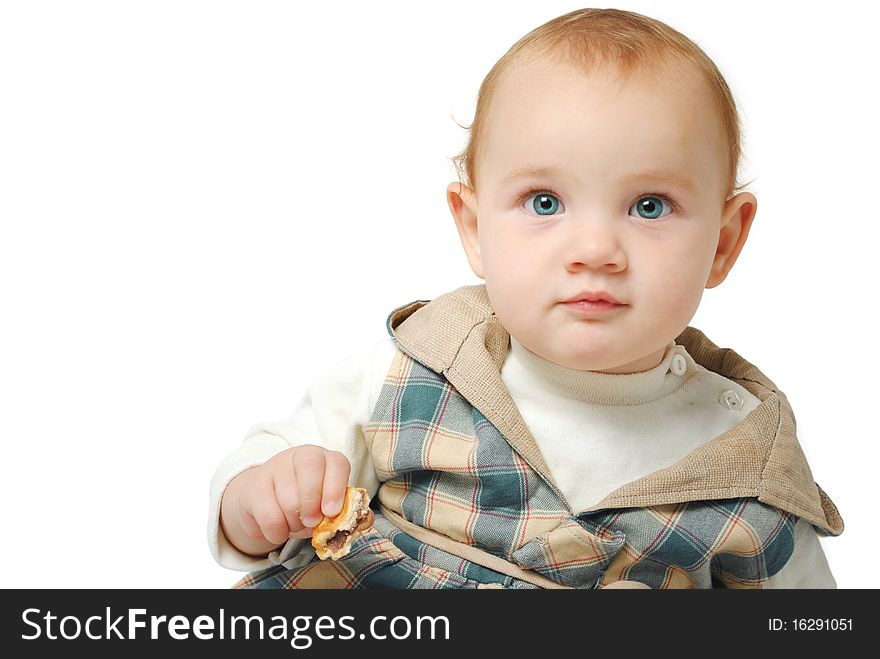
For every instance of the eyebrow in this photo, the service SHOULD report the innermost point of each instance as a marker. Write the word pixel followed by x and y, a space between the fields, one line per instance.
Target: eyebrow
pixel 667 176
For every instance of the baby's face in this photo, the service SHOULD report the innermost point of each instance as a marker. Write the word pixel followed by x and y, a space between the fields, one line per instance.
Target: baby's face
pixel 588 184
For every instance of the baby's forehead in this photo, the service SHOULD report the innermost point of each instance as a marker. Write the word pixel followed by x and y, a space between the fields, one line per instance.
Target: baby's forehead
pixel 551 99
pixel 527 69
pixel 653 114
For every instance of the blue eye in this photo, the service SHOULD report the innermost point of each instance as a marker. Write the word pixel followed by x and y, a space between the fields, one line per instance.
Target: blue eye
pixel 544 204
pixel 650 207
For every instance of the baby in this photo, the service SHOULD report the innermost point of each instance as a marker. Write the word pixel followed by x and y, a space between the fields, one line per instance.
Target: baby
pixel 560 425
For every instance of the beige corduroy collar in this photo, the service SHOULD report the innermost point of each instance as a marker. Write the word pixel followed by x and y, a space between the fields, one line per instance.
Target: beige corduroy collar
pixel 459 335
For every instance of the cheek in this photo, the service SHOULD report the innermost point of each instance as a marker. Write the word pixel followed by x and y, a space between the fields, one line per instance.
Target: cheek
pixel 685 273
pixel 504 254
pixel 512 271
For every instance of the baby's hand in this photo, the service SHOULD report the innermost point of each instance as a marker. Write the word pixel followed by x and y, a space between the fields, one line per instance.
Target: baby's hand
pixel 286 496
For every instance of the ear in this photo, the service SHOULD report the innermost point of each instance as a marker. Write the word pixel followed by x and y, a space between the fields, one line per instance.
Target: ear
pixel 463 204
pixel 736 220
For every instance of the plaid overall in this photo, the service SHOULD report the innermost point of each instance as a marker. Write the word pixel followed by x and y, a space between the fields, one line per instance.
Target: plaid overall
pixel 462 506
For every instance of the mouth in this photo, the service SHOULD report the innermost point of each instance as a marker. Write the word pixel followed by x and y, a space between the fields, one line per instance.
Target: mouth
pixel 593 302
pixel 592 296
pixel 592 306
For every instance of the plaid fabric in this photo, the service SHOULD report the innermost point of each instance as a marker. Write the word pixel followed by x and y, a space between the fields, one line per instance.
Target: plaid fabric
pixel 445 467
pixel 383 557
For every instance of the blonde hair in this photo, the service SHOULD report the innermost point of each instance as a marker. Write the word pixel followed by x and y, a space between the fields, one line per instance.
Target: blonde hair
pixel 589 38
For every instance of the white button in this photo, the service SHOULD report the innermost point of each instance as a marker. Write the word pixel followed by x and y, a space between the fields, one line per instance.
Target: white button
pixel 731 400
pixel 679 364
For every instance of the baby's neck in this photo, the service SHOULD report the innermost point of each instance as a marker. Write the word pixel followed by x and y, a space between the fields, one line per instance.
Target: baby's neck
pixel 598 387
pixel 646 363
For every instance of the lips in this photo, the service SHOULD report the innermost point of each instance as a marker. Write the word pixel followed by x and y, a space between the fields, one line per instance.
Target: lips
pixel 592 296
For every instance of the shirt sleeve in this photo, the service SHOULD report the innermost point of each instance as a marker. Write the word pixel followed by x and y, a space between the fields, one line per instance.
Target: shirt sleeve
pixel 808 566
pixel 331 414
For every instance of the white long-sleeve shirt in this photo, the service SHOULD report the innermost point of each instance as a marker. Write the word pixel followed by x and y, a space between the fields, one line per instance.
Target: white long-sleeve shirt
pixel 626 426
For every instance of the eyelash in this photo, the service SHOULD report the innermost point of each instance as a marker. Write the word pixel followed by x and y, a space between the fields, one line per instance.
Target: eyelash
pixel 660 195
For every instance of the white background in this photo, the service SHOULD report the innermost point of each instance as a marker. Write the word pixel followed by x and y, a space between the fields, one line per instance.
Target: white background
pixel 200 201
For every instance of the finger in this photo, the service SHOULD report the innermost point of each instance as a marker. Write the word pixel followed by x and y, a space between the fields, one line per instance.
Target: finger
pixel 248 523
pixel 308 467
pixel 304 533
pixel 287 497
pixel 268 515
pixel 336 473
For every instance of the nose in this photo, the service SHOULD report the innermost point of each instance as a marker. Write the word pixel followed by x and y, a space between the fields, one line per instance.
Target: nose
pixel 593 244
